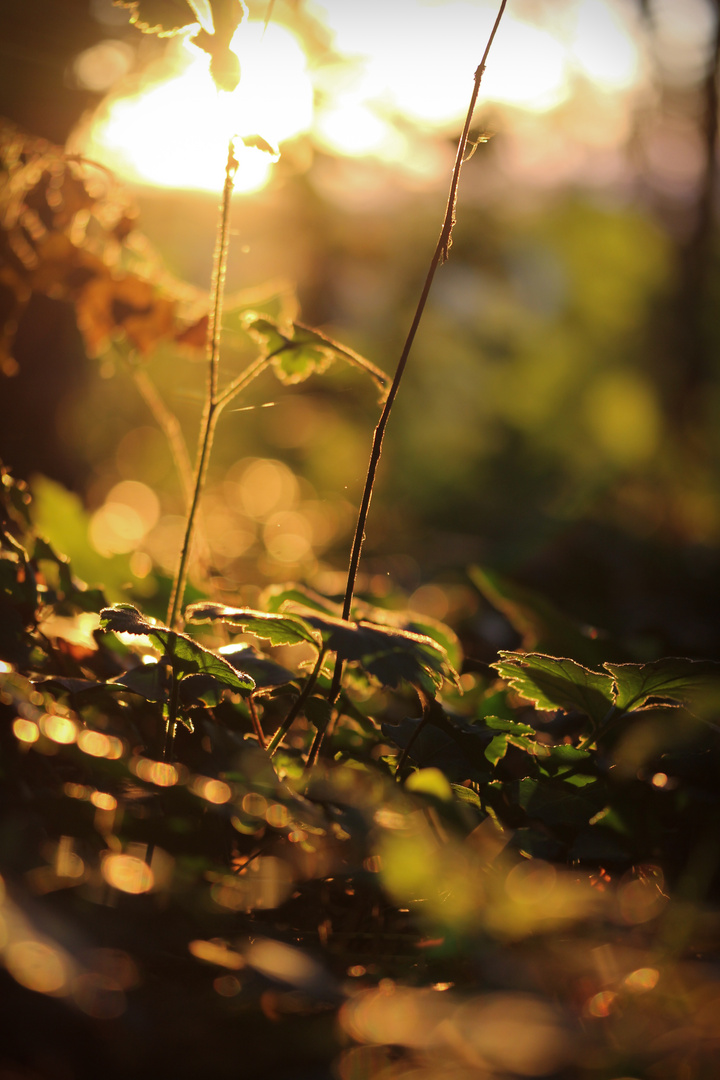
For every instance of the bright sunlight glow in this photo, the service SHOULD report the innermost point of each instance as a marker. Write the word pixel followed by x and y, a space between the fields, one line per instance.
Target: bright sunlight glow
pixel 389 66
pixel 174 132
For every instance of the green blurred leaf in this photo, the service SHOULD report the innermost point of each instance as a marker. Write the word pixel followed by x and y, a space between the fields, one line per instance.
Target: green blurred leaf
pixel 61 519
pixel 542 626
pixel 554 683
pixel 430 782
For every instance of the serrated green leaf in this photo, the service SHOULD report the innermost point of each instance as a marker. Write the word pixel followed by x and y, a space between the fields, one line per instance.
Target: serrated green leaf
pixel 296 352
pixel 318 711
pixel 498 723
pixel 266 673
pixel 185 656
pixel 278 598
pixel 125 619
pixel 556 683
pixel 391 655
pixel 467 795
pixel 446 638
pixel 673 679
pixel 277 629
pixel 150 681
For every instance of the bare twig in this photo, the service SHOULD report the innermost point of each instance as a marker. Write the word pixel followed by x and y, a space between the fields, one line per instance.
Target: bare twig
pixel 439 256
pixel 169 424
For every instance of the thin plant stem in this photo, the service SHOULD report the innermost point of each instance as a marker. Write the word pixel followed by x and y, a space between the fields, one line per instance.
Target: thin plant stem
pixel 169 424
pixel 440 255
pixel 379 377
pixel 297 704
pixel 209 420
pixel 255 720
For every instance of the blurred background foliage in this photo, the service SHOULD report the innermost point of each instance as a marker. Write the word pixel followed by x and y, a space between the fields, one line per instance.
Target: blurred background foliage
pixel 558 422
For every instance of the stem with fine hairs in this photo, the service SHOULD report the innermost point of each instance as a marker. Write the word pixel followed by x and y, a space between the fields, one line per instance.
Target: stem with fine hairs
pixel 440 255
pixel 210 415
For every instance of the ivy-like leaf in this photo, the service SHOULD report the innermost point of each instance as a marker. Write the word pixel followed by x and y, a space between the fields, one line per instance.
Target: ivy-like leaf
pixel 672 679
pixel 318 711
pixel 554 683
pixel 277 629
pixel 185 656
pixel 496 749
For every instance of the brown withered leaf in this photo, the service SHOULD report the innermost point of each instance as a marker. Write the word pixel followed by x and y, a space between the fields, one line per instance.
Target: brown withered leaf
pixel 47 199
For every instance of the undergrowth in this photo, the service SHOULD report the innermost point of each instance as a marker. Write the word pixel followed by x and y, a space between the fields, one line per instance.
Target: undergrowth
pixel 255 841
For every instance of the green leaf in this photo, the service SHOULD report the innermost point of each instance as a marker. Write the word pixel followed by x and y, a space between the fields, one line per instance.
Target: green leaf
pixel 277 629
pixel 125 619
pixel 391 655
pixel 497 723
pixel 556 803
pixel 554 683
pixel 150 681
pixel 467 795
pixel 278 598
pixel 496 749
pixel 672 679
pixel 185 656
pixel 318 710
pixel 266 673
pixel 296 352
pixel 430 782
pixel 446 638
